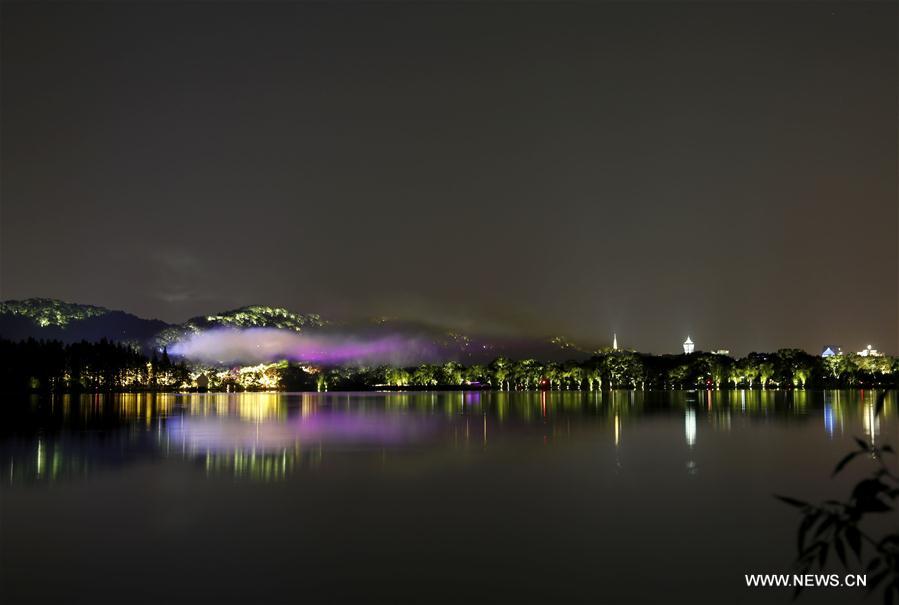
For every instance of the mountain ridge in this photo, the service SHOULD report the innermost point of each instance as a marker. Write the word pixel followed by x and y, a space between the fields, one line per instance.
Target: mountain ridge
pixel 53 319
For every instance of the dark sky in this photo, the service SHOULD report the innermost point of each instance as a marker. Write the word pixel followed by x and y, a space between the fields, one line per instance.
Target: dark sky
pixel 723 170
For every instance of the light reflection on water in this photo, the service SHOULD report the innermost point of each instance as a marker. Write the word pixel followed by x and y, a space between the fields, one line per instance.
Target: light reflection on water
pixel 270 436
pixel 553 497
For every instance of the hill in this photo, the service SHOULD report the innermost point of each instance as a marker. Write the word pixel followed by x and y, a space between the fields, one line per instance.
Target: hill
pixel 255 316
pixel 50 319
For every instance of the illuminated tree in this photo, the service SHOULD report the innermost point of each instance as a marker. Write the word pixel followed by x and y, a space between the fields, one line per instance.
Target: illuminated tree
pixel 476 373
pixel 425 375
pixel 500 368
pixel 526 372
pixel 397 377
pixel 749 369
pixel 552 373
pixel 678 375
pixel 792 366
pixel 451 373
pixel 593 375
pixel 766 370
pixel 321 382
pixel 573 373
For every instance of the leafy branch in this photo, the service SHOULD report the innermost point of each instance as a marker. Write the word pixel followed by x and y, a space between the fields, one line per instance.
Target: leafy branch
pixel 835 527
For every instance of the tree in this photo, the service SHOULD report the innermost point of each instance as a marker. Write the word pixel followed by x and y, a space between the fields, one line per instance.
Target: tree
pixel 749 369
pixel 451 373
pixel 573 374
pixel 552 373
pixel 425 375
pixel 500 368
pixel 397 377
pixel 526 372
pixel 476 373
pixel 766 370
pixel 593 375
pixel 678 375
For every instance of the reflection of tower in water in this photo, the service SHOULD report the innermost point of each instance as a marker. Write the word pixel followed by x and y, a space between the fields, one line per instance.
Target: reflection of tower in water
pixel 690 427
pixel 617 431
pixel 828 419
pixel 870 421
pixel 615 408
pixel 829 413
pixel 690 436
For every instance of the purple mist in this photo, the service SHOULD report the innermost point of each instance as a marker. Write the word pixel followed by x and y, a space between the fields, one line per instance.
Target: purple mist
pixel 259 345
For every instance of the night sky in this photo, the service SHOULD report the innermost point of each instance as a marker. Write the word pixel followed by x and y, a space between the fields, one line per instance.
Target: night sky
pixel 727 171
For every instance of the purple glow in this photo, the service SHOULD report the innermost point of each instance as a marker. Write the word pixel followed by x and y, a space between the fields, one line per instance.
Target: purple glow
pixel 224 434
pixel 258 345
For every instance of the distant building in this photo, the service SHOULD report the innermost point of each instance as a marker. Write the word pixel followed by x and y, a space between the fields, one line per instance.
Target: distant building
pixel 688 346
pixel 614 342
pixel 721 352
pixel 870 352
pixel 831 350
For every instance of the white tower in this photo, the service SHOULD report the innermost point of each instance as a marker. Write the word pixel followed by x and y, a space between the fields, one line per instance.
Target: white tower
pixel 614 342
pixel 688 346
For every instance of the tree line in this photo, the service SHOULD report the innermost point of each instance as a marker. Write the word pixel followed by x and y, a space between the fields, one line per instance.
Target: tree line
pixel 612 369
pixel 51 366
pixel 33 365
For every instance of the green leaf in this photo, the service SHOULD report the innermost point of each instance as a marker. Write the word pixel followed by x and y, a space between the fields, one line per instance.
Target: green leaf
pixel 841 550
pixel 867 496
pixel 877 579
pixel 806 525
pixel 846 460
pixel 822 556
pixel 854 537
pixel 791 501
pixel 824 525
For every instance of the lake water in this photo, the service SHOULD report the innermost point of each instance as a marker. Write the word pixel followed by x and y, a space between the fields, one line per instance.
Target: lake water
pixel 449 497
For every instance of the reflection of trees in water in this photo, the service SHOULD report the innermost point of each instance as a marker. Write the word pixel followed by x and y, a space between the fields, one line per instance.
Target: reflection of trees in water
pixel 68 456
pixel 274 434
pixel 260 466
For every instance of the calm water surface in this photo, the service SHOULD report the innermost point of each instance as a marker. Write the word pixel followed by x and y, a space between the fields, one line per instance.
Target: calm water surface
pixel 621 497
